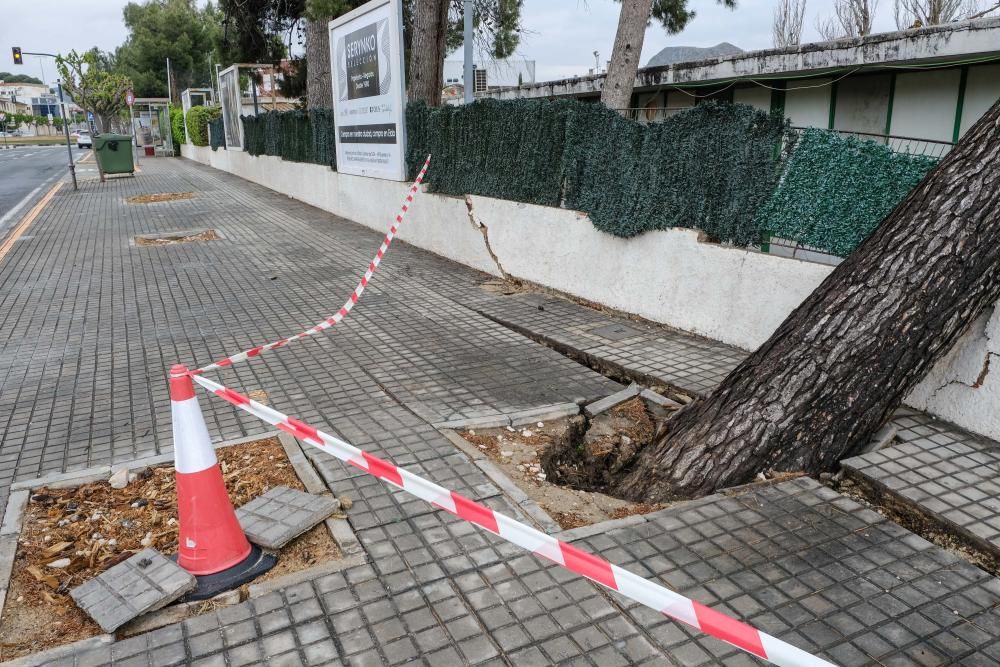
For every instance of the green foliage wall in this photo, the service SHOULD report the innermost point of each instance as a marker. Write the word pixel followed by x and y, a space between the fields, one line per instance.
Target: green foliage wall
pixel 177 128
pixel 217 133
pixel 715 167
pixel 710 168
pixel 297 136
pixel 837 190
pixel 197 123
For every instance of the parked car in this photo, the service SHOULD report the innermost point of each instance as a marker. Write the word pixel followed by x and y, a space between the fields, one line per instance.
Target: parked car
pixel 84 139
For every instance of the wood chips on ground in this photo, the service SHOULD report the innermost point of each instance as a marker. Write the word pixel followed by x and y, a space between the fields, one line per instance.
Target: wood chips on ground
pixel 96 527
pixel 207 235
pixel 158 197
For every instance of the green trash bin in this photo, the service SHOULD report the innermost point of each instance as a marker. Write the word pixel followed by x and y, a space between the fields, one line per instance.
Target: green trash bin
pixel 114 153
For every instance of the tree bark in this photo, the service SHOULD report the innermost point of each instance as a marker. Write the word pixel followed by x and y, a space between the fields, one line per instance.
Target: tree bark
pixel 319 86
pixel 632 20
pixel 838 366
pixel 427 51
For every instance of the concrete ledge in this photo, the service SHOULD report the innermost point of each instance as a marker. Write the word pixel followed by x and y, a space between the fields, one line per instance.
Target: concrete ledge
pixel 66 650
pixel 547 413
pixel 600 528
pixel 493 421
pixel 176 613
pixel 16 502
pixel 315 572
pixel 617 398
pixel 63 479
pixel 303 468
pixel 663 401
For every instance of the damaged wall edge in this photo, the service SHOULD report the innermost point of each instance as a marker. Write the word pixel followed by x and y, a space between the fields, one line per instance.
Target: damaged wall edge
pixel 670 276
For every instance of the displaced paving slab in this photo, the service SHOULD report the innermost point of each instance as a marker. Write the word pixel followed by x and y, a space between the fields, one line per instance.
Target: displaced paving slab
pixel 279 516
pixel 145 582
pixel 942 473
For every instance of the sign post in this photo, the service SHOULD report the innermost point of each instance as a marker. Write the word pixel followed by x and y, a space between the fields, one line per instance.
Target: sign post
pixel 130 101
pixel 3 127
pixel 366 57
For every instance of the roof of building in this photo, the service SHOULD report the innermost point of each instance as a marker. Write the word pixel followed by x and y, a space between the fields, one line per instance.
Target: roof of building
pixel 685 54
pixel 953 43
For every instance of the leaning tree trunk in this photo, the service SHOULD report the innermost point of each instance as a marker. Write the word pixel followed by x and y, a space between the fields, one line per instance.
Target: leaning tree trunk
pixel 319 85
pixel 427 51
pixel 838 366
pixel 632 20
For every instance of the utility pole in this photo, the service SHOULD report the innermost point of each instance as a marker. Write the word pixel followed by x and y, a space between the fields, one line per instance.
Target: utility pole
pixel 69 148
pixel 469 68
pixel 170 89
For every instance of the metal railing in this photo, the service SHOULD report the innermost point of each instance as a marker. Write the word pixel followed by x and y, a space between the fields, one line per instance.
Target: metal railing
pixel 898 143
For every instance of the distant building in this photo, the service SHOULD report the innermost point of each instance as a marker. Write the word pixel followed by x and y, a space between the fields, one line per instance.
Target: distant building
pixel 23 92
pixel 929 83
pixel 43 105
pixel 494 74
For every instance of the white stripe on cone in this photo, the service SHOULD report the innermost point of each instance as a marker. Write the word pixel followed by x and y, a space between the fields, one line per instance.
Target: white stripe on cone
pixel 193 451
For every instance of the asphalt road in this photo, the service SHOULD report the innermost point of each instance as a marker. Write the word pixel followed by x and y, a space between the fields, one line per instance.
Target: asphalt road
pixel 25 172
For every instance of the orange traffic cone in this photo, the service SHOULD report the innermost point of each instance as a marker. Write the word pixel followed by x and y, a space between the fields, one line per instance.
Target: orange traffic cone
pixel 213 546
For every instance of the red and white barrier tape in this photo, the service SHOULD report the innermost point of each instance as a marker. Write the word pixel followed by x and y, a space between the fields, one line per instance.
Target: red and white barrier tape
pixel 348 305
pixel 597 569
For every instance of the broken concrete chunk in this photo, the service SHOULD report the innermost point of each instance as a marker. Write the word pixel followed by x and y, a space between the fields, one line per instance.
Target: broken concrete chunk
pixel 282 514
pixel 145 582
pixel 608 402
pixel 119 480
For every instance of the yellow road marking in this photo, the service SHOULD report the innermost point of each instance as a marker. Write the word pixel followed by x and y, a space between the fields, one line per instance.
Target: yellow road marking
pixel 27 220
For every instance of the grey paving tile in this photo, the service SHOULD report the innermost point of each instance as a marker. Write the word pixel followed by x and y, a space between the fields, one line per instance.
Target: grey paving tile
pixel 281 514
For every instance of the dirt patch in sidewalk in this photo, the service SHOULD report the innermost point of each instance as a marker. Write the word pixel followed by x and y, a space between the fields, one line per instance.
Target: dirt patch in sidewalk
pixel 548 461
pixel 160 197
pixel 87 529
pixel 179 237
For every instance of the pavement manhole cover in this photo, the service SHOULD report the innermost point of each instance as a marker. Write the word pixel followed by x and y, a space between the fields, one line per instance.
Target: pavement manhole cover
pixel 172 238
pixel 616 332
pixel 158 197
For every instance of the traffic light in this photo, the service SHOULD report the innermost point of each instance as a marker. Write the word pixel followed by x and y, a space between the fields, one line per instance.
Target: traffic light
pixel 18 58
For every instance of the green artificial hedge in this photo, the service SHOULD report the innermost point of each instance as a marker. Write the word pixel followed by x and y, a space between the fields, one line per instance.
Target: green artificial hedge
pixel 217 133
pixel 710 167
pixel 197 123
pixel 297 136
pixel 715 167
pixel 836 190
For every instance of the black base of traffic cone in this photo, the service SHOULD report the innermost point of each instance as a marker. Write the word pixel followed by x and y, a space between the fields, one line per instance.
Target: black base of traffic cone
pixel 255 564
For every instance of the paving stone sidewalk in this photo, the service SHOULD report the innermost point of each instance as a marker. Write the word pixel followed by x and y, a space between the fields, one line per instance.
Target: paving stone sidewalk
pixel 90 324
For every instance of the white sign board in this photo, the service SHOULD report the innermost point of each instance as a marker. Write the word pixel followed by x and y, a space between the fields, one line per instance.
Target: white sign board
pixel 369 98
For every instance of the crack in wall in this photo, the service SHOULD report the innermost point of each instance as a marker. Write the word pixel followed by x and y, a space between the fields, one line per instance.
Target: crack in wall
pixel 484 230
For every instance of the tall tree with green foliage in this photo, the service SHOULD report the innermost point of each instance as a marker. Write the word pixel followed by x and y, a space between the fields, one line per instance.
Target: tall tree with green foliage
pixel 437 29
pixel 633 20
pixel 94 86
pixel 175 29
pixel 7 77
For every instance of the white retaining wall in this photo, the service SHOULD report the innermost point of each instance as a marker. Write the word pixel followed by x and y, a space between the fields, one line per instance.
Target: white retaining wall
pixel 732 295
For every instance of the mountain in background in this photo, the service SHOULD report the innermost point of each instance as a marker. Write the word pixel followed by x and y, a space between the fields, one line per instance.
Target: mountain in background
pixel 687 54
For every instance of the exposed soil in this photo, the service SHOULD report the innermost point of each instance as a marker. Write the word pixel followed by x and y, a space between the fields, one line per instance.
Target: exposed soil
pixel 95 527
pixel 599 451
pixel 546 461
pixel 173 239
pixel 161 196
pixel 912 518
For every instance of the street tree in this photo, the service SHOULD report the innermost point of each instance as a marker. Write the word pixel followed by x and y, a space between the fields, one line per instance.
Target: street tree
pixel 836 368
pixel 786 25
pixel 851 18
pixel 633 19
pixel 437 29
pixel 176 29
pixel 93 87
pixel 918 13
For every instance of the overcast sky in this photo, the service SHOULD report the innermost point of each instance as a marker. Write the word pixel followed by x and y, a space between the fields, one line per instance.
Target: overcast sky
pixel 563 34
